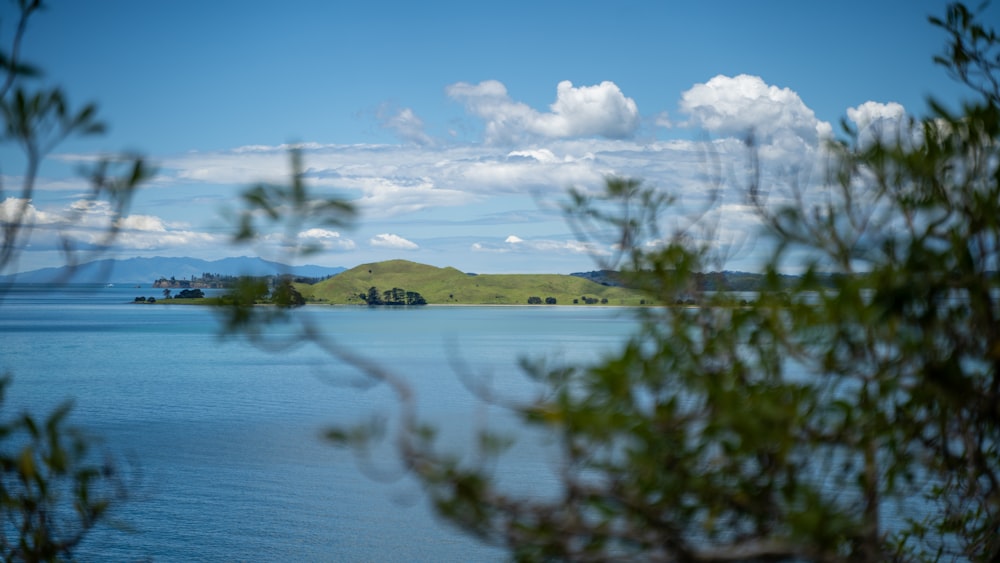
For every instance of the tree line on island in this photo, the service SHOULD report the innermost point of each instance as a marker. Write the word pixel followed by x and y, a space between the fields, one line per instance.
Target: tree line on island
pixel 395 296
pixel 225 281
pixel 182 294
pixel 535 300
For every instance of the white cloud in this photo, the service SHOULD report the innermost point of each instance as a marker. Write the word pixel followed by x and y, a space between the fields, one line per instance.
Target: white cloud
pixel 387 197
pixel 282 148
pixel 243 165
pixel 879 121
pixel 22 211
pixel 326 239
pixel 515 243
pixel 137 231
pixel 590 110
pixel 405 124
pixel 73 183
pixel 871 112
pixel 540 155
pixel 142 223
pixel 601 110
pixel 528 174
pixel 185 240
pixel 387 240
pixel 735 106
pixel 394 180
pixel 87 224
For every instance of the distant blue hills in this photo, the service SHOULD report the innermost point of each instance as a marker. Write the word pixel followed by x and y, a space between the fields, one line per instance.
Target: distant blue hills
pixel 148 270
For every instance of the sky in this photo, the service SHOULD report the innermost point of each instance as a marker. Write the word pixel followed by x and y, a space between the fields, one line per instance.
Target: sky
pixel 457 128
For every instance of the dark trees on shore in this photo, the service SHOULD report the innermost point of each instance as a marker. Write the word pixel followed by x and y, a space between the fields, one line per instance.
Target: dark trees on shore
pixel 395 296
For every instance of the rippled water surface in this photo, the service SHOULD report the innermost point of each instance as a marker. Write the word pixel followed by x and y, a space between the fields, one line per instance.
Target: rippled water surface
pixel 224 438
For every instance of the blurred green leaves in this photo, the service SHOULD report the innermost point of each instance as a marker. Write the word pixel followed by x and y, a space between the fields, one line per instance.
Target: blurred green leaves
pixel 284 211
pixel 37 118
pixel 291 207
pixel 850 413
pixel 52 489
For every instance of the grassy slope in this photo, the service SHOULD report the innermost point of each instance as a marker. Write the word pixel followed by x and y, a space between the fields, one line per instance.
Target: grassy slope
pixel 448 285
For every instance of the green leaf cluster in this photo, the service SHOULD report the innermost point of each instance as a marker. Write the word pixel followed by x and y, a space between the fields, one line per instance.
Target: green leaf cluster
pixel 52 490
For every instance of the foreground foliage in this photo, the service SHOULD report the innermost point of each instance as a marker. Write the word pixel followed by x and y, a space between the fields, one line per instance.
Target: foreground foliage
pixel 853 416
pixel 52 489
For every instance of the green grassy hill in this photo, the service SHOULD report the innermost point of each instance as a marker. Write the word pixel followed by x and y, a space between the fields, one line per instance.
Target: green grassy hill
pixel 450 286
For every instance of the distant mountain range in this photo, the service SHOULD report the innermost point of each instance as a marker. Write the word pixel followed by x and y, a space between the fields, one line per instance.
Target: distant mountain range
pixel 148 270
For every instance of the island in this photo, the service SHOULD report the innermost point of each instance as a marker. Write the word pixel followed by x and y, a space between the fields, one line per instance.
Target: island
pixel 413 284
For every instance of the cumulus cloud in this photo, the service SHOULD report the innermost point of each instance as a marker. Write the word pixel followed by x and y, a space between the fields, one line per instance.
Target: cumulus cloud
pixel 388 240
pixel 878 121
pixel 142 223
pixel 81 214
pixel 138 232
pixel 870 112
pixel 601 110
pixel 405 124
pixel 325 239
pixel 734 106
pixel 86 224
pixel 23 212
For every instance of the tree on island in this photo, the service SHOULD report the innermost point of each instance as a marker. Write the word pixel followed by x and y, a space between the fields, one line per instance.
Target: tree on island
pixel 373 297
pixel 414 298
pixel 792 429
pixel 190 294
pixel 395 296
pixel 285 294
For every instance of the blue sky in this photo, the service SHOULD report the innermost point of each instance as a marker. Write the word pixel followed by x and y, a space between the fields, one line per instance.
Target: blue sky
pixel 457 127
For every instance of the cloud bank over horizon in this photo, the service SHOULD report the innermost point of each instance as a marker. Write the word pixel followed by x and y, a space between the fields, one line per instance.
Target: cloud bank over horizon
pixel 436 199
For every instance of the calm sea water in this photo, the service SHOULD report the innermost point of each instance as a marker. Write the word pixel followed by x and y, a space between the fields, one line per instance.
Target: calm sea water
pixel 225 438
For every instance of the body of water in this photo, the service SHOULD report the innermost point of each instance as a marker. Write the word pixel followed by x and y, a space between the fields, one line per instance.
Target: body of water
pixel 224 439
